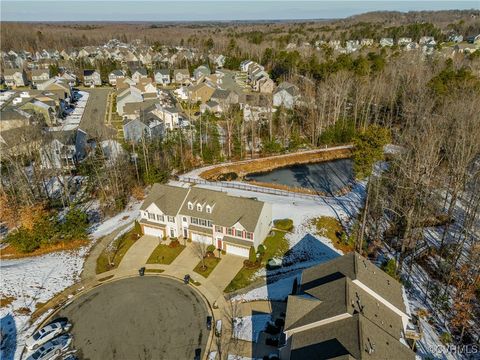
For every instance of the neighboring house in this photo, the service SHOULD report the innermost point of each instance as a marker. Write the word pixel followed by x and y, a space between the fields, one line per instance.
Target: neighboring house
pixel 169 116
pixel 59 153
pixel 285 95
pixel 11 118
pixel 201 92
pixel 211 106
pixel 181 76
pixel 386 42
pixel 40 75
pixel 46 108
pixel 138 74
pixel 130 95
pixel 15 77
pixel 233 224
pixel 456 38
pixel 91 78
pixel 346 308
pixel 427 40
pixel 224 98
pixel 403 41
pixel 162 76
pixel 218 60
pixel 265 85
pixel 147 125
pixel 474 39
pixel 114 76
pixel 366 42
pixel 201 71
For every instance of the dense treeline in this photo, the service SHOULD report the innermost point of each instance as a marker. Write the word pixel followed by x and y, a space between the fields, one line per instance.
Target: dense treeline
pixel 253 36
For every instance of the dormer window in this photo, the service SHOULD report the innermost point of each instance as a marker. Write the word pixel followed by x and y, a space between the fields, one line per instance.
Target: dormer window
pixel 209 209
pixel 199 207
pixel 190 206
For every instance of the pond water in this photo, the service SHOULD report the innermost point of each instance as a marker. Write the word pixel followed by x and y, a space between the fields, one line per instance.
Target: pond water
pixel 327 177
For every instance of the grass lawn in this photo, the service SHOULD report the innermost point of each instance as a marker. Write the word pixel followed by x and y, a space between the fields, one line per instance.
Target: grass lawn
pixel 164 254
pixel 275 246
pixel 210 263
pixel 111 257
pixel 331 228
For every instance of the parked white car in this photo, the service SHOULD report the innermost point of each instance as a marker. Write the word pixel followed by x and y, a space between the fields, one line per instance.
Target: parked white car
pixel 47 333
pixel 52 349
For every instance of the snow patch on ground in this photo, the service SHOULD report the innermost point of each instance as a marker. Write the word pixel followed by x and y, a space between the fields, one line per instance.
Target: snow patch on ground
pixel 248 328
pixel 35 280
pixel 276 291
pixel 32 281
pixel 109 225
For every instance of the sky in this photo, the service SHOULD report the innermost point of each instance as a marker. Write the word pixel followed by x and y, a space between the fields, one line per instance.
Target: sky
pixel 199 10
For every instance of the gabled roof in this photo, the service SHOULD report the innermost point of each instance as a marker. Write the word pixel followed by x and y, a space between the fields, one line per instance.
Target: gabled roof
pixel 227 210
pixel 354 266
pixel 11 72
pixel 162 71
pixel 354 337
pixel 166 197
pixel 89 72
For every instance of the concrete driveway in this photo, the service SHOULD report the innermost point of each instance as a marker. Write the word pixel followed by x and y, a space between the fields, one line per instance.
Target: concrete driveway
pixel 148 317
pixel 138 254
pixel 226 270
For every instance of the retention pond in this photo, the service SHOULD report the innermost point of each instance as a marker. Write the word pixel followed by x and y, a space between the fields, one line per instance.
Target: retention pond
pixel 327 177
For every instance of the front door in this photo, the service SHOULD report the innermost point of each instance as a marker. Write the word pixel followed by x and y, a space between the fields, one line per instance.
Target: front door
pixel 219 243
pixel 185 233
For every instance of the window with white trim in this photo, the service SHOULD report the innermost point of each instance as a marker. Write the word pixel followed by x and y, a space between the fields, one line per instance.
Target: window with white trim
pixel 151 216
pixel 199 207
pixel 209 209
pixel 171 219
pixel 239 233
pixel 219 229
pixel 160 218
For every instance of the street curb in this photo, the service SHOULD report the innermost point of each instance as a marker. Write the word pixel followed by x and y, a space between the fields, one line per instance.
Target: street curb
pixel 114 279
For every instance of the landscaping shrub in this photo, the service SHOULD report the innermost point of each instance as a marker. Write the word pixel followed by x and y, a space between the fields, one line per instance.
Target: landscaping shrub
pixel 211 248
pixel 252 255
pixel 261 250
pixel 174 243
pixel 284 224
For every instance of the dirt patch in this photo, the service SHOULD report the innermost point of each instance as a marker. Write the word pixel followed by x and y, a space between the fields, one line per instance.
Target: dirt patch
pixel 10 252
pixel 243 168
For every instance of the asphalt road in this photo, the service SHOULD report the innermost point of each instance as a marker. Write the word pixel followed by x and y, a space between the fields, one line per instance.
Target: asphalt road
pixel 144 318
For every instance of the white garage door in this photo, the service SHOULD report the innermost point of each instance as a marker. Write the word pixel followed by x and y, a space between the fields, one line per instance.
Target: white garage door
pixel 152 231
pixel 202 238
pixel 237 250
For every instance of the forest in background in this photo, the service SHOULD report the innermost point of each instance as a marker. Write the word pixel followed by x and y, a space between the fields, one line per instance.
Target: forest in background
pixel 252 38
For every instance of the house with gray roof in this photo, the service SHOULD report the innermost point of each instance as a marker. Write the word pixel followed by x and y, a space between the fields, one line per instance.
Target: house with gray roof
pixel 162 76
pixel 181 76
pixel 230 223
pixel 286 94
pixel 40 75
pixel 115 75
pixel 91 78
pixel 346 308
pixel 15 77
